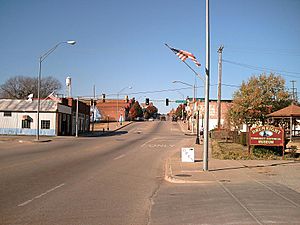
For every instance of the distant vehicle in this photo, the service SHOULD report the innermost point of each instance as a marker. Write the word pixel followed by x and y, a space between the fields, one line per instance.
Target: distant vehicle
pixel 151 119
pixel 162 118
pixel 174 119
pixel 139 119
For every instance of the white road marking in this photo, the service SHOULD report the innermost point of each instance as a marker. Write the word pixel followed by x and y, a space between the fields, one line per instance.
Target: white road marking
pixel 41 195
pixel 119 157
pixel 148 142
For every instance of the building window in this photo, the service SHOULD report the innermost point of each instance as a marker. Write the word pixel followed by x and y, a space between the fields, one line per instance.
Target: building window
pixel 45 124
pixel 8 113
pixel 26 123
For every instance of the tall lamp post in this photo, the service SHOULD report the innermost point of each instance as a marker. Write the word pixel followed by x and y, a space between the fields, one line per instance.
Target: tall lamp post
pixel 207 75
pixel 192 86
pixel 129 87
pixel 194 93
pixel 41 59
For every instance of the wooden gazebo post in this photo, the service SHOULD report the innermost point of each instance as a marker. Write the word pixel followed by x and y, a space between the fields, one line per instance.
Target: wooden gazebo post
pixel 291 128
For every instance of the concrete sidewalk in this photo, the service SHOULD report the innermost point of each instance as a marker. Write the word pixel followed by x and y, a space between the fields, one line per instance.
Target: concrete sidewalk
pixel 286 172
pixel 113 127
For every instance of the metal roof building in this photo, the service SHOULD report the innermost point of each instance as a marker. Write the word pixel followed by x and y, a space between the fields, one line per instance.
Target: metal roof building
pixel 19 117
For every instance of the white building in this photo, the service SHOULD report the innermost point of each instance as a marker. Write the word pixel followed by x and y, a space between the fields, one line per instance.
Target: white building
pixel 19 117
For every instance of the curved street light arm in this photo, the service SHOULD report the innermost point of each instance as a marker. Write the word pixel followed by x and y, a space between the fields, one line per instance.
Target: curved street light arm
pixel 129 87
pixel 45 55
pixel 178 81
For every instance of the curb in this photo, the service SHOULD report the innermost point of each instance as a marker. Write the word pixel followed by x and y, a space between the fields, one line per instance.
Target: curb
pixel 112 131
pixel 20 140
pixel 186 132
pixel 36 141
pixel 171 179
pixel 190 134
pixel 123 126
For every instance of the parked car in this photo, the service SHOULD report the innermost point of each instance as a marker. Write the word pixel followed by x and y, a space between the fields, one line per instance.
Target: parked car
pixel 139 119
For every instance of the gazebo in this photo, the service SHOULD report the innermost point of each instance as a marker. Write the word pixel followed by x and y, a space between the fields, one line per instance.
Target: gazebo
pixel 287 118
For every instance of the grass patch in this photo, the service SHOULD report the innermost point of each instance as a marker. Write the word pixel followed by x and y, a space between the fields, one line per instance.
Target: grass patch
pixel 223 150
pixel 233 151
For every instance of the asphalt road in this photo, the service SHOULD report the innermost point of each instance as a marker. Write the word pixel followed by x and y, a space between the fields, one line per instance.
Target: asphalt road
pixel 91 180
pixel 119 180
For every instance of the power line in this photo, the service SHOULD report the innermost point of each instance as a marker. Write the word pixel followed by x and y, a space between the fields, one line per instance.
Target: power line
pixel 262 68
pixel 265 51
pixel 156 91
pixel 231 85
pixel 171 90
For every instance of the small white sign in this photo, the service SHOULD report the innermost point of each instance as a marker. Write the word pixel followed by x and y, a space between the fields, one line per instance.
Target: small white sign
pixel 187 155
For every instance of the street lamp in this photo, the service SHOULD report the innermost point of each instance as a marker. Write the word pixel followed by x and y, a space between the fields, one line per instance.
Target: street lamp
pixel 129 87
pixel 192 86
pixel 194 90
pixel 41 59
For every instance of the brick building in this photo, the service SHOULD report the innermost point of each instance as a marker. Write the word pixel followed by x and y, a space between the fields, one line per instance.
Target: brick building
pixel 112 109
pixel 192 111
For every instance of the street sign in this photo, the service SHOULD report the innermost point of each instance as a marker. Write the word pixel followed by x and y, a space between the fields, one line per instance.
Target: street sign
pixel 187 155
pixel 267 135
pixel 180 101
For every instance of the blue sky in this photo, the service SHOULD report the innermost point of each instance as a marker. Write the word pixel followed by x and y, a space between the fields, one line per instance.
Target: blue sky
pixel 121 43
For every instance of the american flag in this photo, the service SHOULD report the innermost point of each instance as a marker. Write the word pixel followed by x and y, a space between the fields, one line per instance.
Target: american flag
pixel 183 55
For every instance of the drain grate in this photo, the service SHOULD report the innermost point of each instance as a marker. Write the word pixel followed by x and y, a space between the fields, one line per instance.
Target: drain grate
pixel 183 175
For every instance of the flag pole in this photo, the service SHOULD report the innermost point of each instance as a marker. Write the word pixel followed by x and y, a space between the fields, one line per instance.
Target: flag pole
pixel 194 101
pixel 207 70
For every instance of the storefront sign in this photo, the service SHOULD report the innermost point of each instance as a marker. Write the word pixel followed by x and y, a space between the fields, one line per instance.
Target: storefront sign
pixel 267 135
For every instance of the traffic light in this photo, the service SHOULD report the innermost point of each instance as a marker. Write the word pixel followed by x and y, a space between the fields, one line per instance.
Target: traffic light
pixel 167 101
pixel 93 102
pixel 103 97
pixel 147 101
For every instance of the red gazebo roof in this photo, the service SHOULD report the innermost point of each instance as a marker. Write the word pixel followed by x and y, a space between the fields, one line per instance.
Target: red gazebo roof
pixel 290 111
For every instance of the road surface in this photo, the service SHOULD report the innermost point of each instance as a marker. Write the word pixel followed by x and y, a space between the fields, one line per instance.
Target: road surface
pixel 91 180
pixel 119 179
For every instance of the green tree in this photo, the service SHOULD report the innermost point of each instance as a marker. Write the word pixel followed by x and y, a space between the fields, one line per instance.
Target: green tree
pixel 135 111
pixel 150 111
pixel 258 97
pixel 179 113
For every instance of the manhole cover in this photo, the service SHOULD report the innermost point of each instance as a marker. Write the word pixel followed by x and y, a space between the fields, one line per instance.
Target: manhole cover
pixel 224 181
pixel 183 175
pixel 119 139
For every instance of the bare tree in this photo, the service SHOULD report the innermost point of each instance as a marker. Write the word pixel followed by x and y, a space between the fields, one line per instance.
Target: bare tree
pixel 19 87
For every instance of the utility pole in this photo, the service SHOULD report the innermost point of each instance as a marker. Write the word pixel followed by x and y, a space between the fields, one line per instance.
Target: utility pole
pixel 220 50
pixel 207 68
pixel 294 93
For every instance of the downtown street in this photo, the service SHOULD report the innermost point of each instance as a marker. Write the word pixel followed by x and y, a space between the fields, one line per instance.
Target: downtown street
pixel 123 179
pixel 89 180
